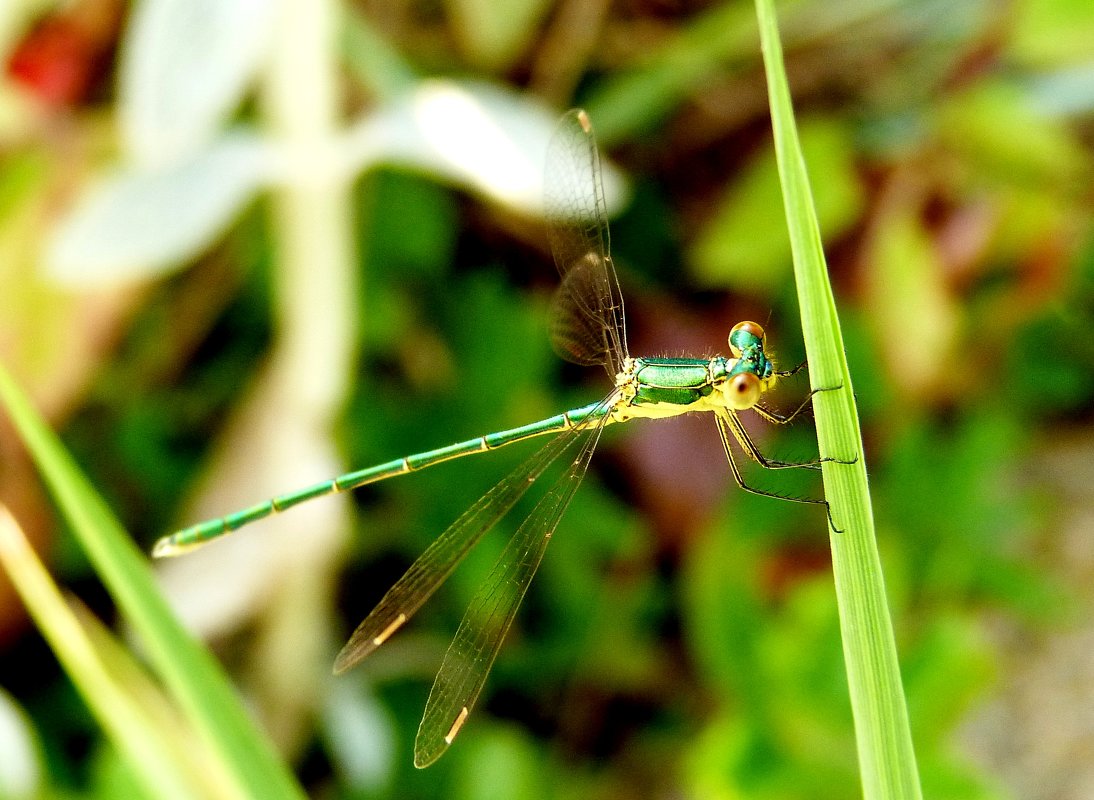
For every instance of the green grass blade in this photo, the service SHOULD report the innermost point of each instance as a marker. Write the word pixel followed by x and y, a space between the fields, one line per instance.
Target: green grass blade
pixel 147 748
pixel 886 756
pixel 191 675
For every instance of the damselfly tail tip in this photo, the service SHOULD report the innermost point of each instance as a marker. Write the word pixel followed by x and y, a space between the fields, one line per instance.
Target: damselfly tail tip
pixel 165 548
pixel 171 546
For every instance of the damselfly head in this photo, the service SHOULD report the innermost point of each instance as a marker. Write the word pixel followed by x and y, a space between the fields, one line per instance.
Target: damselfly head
pixel 745 335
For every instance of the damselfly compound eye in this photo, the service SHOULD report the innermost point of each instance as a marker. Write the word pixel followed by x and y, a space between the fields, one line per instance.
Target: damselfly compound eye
pixel 742 391
pixel 744 334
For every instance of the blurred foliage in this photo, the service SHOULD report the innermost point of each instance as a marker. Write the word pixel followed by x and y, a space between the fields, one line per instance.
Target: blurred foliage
pixel 682 637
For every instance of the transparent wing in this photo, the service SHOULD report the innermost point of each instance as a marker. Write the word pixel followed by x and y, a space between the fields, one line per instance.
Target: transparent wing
pixel 434 566
pixel 431 569
pixel 491 612
pixel 589 325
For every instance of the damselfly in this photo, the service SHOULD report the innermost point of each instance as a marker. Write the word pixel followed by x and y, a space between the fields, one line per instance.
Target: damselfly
pixel 588 328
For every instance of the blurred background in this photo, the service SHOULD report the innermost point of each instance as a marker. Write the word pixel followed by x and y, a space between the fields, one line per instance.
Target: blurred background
pixel 247 246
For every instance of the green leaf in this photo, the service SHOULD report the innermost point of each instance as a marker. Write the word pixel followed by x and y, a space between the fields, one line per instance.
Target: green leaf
pixel 744 245
pixel 493 33
pixel 1052 32
pixel 979 125
pixel 914 317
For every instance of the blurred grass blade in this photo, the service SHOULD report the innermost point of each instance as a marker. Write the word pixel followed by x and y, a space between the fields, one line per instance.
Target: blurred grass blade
pixel 144 745
pixel 886 757
pixel 191 674
pixel 189 753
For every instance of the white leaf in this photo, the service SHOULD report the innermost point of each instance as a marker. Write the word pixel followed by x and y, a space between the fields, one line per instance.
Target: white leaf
pixel 139 223
pixel 185 66
pixel 480 137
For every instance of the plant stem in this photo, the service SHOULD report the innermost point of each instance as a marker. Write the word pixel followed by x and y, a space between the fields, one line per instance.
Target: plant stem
pixel 315 298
